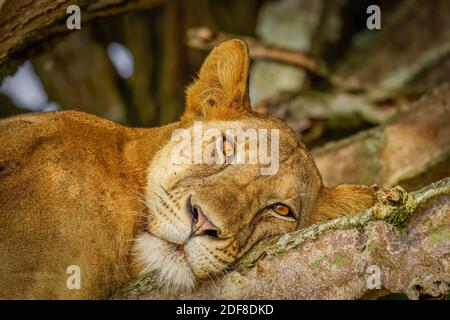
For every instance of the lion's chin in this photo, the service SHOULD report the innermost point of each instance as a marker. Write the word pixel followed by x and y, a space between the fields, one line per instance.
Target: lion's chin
pixel 169 263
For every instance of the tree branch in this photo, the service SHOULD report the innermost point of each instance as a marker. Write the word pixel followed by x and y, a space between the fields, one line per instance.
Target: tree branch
pixel 404 236
pixel 204 39
pixel 25 25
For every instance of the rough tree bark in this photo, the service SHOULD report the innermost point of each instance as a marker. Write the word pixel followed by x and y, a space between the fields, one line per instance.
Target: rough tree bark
pixel 25 24
pixel 406 236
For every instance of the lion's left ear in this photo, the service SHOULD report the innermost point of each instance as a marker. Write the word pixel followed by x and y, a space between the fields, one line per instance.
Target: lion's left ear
pixel 221 89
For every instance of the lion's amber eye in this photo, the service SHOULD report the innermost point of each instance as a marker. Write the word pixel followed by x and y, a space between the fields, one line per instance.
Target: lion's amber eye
pixel 281 209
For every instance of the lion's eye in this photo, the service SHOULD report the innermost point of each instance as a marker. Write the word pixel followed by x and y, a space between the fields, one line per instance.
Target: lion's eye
pixel 282 211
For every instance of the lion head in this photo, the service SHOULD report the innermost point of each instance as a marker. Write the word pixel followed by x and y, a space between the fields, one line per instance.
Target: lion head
pixel 228 178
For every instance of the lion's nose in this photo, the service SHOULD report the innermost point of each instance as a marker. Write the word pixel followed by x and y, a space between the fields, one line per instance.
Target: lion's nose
pixel 201 225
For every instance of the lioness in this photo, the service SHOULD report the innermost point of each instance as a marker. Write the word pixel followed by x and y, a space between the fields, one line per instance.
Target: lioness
pixel 78 192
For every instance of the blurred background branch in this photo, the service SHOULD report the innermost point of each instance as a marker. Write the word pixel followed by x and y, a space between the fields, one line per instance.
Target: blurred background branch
pixel 205 39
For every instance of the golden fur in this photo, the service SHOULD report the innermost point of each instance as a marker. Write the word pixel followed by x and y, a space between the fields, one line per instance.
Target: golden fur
pixel 79 190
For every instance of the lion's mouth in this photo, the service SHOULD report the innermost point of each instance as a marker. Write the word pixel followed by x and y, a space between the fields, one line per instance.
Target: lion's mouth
pixel 167 259
pixel 175 246
pixel 183 259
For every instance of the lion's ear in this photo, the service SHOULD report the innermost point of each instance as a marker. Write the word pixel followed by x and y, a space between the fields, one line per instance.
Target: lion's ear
pixel 342 200
pixel 221 89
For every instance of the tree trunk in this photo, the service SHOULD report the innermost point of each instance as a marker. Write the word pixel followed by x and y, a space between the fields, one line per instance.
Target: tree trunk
pixel 74 73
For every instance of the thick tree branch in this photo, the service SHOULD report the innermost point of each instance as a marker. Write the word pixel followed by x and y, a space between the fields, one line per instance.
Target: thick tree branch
pixel 404 236
pixel 24 24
